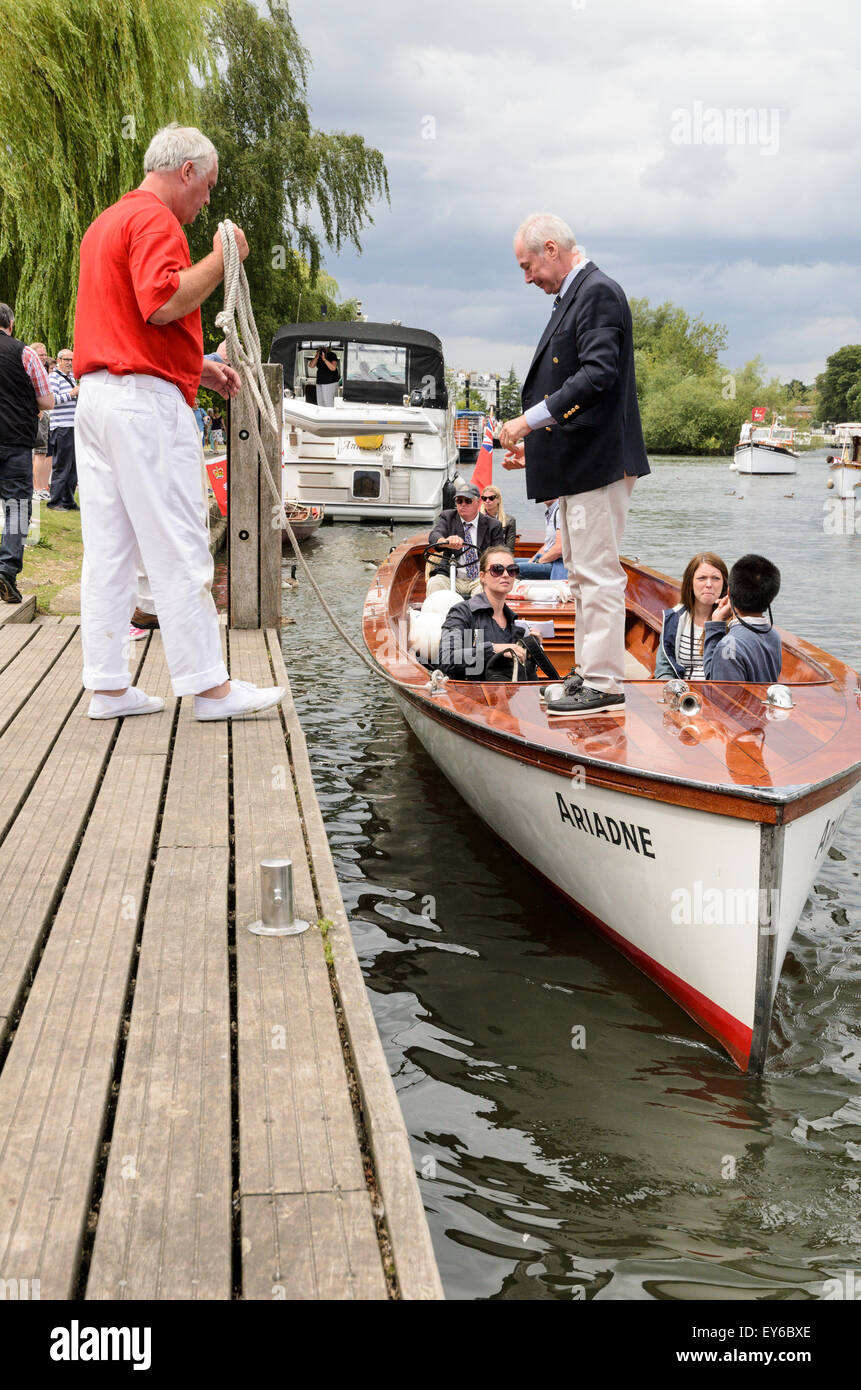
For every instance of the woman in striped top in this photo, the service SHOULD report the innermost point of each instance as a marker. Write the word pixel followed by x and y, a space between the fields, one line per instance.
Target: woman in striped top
pixel 680 653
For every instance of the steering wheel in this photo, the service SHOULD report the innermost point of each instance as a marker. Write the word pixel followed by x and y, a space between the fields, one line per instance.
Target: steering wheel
pixel 460 559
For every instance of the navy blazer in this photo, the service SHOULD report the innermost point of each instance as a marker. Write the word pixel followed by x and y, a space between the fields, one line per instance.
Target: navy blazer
pixel 449 523
pixel 583 369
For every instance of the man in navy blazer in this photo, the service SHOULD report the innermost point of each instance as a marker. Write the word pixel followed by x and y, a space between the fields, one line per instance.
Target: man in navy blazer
pixel 580 439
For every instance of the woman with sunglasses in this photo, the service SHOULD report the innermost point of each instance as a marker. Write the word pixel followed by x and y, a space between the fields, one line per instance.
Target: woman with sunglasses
pixel 481 635
pixel 491 505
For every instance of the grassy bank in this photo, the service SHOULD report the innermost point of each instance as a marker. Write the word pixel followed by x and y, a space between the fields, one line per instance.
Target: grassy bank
pixel 52 558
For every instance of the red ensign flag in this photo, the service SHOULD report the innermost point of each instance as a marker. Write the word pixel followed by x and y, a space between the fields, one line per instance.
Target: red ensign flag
pixel 482 474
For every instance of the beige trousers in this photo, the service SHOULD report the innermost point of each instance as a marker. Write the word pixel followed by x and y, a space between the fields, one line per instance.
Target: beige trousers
pixel 592 525
pixel 465 587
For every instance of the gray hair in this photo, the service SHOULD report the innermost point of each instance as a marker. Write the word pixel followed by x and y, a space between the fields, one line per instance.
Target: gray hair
pixel 174 144
pixel 539 227
pixel 7 318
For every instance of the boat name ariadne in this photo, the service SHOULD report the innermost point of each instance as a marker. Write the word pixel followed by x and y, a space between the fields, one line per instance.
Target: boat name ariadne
pixel 631 837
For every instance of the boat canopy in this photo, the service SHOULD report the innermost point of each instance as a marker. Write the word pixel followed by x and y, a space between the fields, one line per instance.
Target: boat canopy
pixel 380 362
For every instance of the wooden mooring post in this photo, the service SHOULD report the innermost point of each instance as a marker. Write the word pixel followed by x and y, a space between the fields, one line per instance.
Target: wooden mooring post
pixel 253 525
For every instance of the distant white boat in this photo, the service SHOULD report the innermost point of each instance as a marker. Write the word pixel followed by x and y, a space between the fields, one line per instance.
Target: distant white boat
pixel 766 451
pixel 844 475
pixel 845 432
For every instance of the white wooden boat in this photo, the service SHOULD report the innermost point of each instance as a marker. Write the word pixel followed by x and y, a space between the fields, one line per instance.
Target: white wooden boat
pixel 385 449
pixel 767 451
pixel 844 475
pixel 689 838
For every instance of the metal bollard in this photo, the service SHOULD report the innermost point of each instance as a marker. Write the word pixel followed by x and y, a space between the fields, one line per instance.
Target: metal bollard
pixel 276 888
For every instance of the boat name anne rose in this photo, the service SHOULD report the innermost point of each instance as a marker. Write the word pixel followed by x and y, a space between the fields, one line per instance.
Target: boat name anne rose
pixel 631 837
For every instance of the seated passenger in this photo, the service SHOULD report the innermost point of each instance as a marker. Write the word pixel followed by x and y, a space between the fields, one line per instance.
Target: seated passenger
pixel 547 562
pixel 462 528
pixel 680 653
pixel 491 505
pixel 748 649
pixel 481 636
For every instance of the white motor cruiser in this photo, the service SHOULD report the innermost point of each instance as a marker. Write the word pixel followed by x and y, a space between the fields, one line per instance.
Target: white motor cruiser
pixel 384 450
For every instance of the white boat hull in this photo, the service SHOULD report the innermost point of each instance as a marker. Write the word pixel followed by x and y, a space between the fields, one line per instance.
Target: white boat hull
pixel 704 904
pixel 847 481
pixel 366 463
pixel 764 459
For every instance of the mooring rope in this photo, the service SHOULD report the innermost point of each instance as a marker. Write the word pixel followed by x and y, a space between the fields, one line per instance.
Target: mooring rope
pixel 244 353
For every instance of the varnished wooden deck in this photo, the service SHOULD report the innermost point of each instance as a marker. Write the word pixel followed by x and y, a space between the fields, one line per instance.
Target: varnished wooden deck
pixel 176 1112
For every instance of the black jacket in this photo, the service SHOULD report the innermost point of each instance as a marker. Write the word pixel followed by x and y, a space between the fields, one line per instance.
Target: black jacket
pixel 449 523
pixel 19 409
pixel 583 369
pixel 467 638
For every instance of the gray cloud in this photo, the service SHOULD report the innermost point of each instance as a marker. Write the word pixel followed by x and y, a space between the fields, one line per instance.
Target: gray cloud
pixel 575 108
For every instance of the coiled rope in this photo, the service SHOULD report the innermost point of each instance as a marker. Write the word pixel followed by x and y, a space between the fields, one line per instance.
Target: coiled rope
pixel 243 351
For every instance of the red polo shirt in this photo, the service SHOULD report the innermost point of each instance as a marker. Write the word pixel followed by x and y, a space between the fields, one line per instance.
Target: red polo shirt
pixel 131 257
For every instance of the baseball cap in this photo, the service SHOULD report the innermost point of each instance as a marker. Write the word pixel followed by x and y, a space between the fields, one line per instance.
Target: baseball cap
pixel 468 490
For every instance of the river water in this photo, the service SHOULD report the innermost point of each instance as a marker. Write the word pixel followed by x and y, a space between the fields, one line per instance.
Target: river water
pixel 641 1166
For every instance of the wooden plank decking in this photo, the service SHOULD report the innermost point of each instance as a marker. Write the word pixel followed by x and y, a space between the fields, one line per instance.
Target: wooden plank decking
pixel 176 1112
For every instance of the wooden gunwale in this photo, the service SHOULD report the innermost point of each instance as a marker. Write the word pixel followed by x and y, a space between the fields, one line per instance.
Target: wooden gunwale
pixel 387 603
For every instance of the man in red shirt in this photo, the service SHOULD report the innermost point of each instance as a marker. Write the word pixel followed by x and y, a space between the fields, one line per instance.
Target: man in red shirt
pixel 139 361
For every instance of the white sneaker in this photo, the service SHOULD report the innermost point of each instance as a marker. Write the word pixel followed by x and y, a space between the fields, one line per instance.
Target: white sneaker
pixel 243 698
pixel 121 706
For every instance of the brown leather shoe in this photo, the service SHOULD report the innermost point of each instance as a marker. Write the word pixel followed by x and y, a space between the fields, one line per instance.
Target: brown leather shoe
pixel 8 590
pixel 144 620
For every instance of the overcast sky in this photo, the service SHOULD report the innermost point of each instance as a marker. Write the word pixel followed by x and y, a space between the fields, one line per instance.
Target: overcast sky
pixel 620 116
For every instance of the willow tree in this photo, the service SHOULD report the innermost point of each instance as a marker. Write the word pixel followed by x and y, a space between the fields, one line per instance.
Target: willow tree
pixel 279 179
pixel 85 87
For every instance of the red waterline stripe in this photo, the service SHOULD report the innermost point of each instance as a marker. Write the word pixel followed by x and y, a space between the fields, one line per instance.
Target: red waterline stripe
pixel 730 1032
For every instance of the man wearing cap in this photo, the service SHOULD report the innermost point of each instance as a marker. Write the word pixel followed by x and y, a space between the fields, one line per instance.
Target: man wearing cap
pixel 580 440
pixel 465 532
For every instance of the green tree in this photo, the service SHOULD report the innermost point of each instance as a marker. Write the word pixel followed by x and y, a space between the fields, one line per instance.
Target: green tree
pixel 509 396
pixel 277 175
pixel 796 392
pixel 840 379
pixel 703 414
pixel 690 417
pixel 853 401
pixel 668 333
pixel 85 87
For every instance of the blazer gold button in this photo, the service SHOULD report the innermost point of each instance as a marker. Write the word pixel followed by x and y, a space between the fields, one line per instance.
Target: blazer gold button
pixel 547 427
pixel 555 359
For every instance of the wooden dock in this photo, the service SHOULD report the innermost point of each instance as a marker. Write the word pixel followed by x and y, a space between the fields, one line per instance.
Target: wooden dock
pixel 187 1111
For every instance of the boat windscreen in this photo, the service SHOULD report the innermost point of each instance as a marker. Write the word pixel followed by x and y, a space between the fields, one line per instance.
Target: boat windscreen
pixel 376 362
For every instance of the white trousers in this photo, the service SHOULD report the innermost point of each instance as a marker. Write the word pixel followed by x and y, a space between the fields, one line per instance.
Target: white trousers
pixel 592 525
pixel 326 392
pixel 138 454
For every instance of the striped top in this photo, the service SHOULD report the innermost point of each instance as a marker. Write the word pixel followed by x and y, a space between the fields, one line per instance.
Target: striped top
pixel 63 414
